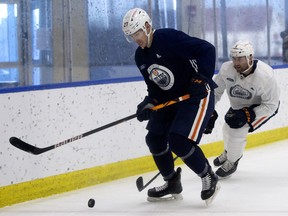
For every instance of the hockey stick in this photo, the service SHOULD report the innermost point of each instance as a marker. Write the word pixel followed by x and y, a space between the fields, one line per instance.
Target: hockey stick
pixel 140 184
pixel 18 143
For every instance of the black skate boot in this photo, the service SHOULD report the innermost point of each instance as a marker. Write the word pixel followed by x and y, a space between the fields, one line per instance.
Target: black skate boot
pixel 220 159
pixel 210 187
pixel 227 169
pixel 171 190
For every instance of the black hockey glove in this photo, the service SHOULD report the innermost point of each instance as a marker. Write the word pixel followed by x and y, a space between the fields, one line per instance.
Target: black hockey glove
pixel 198 88
pixel 144 111
pixel 238 118
pixel 211 123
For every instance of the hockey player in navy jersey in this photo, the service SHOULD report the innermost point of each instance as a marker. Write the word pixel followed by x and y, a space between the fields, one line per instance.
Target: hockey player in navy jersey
pixel 254 98
pixel 174 64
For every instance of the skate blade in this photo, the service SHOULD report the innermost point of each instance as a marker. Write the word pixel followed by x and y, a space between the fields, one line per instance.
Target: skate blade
pixel 210 200
pixel 224 177
pixel 169 197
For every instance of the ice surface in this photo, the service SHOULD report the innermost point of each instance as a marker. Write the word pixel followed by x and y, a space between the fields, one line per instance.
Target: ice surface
pixel 258 188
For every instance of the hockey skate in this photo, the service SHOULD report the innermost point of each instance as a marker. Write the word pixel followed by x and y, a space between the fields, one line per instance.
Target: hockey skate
pixel 220 159
pixel 210 187
pixel 171 190
pixel 227 169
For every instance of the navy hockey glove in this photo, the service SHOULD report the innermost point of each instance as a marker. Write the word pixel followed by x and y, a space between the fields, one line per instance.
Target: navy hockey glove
pixel 144 111
pixel 211 123
pixel 238 118
pixel 198 88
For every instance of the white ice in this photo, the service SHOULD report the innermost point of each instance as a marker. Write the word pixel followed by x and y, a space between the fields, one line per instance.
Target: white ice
pixel 258 188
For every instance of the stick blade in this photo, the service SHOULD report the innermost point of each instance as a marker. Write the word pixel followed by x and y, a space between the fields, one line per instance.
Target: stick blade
pixel 140 184
pixel 23 146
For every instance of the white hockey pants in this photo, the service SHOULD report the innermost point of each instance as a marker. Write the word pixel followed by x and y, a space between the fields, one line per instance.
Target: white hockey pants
pixel 235 141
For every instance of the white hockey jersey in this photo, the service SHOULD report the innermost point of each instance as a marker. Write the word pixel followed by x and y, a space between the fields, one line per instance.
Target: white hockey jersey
pixel 259 87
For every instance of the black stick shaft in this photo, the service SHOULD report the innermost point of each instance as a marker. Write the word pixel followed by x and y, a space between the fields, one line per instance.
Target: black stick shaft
pixel 109 125
pixel 35 150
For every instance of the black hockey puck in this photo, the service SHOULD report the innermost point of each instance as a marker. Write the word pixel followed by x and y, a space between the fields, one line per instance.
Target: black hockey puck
pixel 91 203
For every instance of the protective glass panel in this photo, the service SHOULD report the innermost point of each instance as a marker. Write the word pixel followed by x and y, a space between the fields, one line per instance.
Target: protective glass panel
pixel 8 45
pixel 40 43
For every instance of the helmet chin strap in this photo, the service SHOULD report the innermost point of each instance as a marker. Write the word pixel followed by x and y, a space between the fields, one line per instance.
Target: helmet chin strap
pixel 149 37
pixel 246 72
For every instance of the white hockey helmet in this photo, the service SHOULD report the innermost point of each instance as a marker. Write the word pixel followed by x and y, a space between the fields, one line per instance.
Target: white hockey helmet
pixel 242 48
pixel 135 20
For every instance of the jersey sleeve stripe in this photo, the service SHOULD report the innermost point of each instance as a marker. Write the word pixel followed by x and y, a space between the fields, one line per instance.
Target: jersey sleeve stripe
pixel 194 132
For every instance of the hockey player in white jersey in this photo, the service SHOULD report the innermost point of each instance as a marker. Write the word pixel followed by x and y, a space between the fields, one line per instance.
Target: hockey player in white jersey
pixel 254 98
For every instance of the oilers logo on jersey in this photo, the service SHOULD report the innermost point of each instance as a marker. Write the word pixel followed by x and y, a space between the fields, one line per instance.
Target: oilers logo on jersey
pixel 239 92
pixel 162 76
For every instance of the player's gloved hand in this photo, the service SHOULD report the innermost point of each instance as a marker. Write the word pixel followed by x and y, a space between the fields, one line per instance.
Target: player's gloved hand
pixel 211 123
pixel 238 118
pixel 144 111
pixel 198 88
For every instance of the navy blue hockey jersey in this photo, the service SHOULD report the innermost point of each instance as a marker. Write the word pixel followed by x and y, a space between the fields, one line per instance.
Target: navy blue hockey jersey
pixel 173 59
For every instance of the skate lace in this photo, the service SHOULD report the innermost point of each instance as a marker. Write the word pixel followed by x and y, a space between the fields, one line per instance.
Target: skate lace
pixel 161 188
pixel 206 182
pixel 228 165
